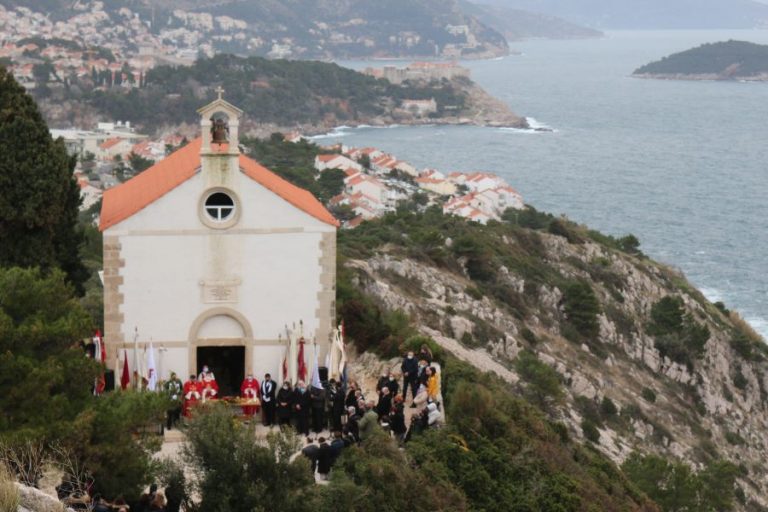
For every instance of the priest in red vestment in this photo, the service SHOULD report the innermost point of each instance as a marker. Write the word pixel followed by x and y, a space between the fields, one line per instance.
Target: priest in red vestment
pixel 249 390
pixel 192 393
pixel 209 387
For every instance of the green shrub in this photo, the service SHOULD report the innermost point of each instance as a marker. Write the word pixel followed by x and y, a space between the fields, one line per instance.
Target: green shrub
pixel 544 382
pixel 474 292
pixel 563 228
pixel 589 410
pixel 648 395
pixel 667 316
pixel 734 438
pixel 581 308
pixel 674 486
pixel 677 335
pixel 591 433
pixel 529 336
pixel 608 408
pixel 739 380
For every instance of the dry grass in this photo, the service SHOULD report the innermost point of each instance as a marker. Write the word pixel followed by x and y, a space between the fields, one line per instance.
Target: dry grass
pixel 9 493
pixel 743 327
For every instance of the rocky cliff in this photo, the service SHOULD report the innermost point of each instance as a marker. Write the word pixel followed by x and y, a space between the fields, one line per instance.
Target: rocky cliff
pixel 657 369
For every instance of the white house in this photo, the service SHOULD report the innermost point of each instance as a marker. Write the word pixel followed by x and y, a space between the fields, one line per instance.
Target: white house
pixel 366 185
pixel 209 256
pixel 324 162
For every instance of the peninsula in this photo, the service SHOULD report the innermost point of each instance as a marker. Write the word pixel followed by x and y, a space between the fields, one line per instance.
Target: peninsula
pixel 282 95
pixel 729 60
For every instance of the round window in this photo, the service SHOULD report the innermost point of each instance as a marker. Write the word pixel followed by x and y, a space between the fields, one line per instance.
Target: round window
pixel 219 206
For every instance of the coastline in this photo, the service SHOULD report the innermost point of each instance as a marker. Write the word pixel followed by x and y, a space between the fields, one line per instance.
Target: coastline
pixel 708 77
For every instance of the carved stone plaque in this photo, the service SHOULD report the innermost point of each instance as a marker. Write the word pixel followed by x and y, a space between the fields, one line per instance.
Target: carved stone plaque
pixel 220 291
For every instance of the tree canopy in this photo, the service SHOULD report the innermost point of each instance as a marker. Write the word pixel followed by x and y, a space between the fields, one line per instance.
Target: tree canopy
pixel 39 197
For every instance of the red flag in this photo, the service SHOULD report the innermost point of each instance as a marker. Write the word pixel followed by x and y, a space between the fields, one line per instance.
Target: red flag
pixel 285 365
pixel 302 364
pixel 125 380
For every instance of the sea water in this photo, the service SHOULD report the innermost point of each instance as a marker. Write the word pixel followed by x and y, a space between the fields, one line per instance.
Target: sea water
pixel 682 165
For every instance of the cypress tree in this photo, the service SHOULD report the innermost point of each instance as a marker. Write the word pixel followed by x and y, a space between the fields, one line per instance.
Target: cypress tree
pixel 39 197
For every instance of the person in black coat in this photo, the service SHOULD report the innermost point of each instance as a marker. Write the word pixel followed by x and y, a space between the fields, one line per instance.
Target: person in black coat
pixel 385 404
pixel 318 409
pixel 397 419
pixel 352 428
pixel 268 399
pixel 351 399
pixel 310 451
pixel 392 384
pixel 410 369
pixel 324 459
pixel 284 404
pixel 336 404
pixel 302 405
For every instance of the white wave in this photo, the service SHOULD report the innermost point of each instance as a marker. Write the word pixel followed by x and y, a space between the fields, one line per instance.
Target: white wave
pixel 535 124
pixel 335 133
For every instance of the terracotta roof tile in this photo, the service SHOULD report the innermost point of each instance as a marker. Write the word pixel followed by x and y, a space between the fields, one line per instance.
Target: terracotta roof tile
pixel 110 142
pixel 139 192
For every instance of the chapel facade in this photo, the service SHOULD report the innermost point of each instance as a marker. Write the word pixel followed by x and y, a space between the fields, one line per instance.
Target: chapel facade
pixel 209 255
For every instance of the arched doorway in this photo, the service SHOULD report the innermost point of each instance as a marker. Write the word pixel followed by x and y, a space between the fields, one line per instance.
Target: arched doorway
pixel 221 339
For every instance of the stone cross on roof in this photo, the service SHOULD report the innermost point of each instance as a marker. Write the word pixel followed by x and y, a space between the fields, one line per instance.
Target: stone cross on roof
pixel 219 90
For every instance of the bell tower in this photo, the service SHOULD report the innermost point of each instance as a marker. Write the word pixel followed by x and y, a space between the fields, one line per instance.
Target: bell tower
pixel 220 148
pixel 219 124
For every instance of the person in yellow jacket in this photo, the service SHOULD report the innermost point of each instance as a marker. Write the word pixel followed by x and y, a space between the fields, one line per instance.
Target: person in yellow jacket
pixel 433 383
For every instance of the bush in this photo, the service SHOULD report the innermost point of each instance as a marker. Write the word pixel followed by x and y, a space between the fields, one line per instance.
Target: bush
pixel 677 335
pixel 648 395
pixel 739 380
pixel 581 308
pixel 543 382
pixel 529 336
pixel 237 472
pixel 734 438
pixel 667 316
pixel 675 487
pixel 608 408
pixel 591 433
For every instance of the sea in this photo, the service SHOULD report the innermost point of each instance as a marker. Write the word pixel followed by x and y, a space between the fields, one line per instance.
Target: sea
pixel 683 165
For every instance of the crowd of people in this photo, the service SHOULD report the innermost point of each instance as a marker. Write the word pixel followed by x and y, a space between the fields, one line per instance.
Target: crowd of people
pixel 151 501
pixel 333 406
pixel 339 414
pixel 353 417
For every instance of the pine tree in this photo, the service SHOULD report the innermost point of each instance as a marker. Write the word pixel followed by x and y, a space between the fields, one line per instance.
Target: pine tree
pixel 39 197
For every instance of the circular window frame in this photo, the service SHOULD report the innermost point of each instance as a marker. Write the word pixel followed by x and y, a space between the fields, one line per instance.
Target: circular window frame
pixel 209 221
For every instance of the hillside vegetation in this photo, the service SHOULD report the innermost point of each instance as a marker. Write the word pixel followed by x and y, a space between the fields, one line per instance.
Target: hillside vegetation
pixel 724 60
pixel 623 351
pixel 279 92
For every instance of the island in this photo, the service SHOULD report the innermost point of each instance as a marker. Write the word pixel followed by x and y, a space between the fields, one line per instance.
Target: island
pixel 729 60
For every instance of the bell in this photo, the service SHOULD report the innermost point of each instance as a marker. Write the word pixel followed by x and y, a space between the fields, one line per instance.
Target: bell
pixel 219 131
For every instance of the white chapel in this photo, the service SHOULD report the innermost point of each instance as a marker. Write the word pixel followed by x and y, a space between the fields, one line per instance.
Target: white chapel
pixel 208 255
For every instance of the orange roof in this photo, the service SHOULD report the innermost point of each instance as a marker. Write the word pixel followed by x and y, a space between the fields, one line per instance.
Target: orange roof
pixel 109 143
pixel 327 158
pixel 142 190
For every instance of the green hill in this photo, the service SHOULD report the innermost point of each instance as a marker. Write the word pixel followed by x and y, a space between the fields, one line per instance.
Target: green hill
pixel 278 92
pixel 723 60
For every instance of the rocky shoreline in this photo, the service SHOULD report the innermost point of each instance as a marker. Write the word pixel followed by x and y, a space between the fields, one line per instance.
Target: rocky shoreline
pixel 484 110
